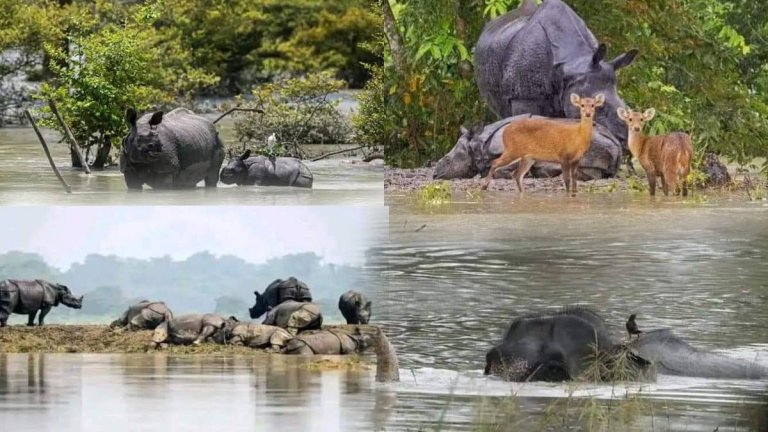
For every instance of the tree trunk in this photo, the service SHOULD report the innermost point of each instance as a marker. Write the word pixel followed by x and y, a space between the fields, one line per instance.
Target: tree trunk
pixel 460 24
pixel 75 158
pixel 102 155
pixel 396 45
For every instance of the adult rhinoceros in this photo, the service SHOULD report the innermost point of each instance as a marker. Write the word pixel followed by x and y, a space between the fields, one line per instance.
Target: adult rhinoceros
pixel 530 60
pixel 144 315
pixel 29 297
pixel 170 151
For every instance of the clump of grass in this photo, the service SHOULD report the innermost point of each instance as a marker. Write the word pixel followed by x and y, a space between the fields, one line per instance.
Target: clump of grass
pixel 756 190
pixel 435 193
pixel 475 194
pixel 636 184
pixel 697 179
pixel 340 363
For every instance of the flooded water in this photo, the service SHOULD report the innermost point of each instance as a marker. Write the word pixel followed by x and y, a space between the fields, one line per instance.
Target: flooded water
pixel 148 392
pixel 458 274
pixel 27 178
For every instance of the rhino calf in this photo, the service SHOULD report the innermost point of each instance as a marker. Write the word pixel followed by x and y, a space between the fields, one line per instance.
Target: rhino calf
pixel 247 170
pixel 144 315
pixel 355 307
pixel 193 329
pixel 261 336
pixel 29 297
pixel 327 342
pixel 295 316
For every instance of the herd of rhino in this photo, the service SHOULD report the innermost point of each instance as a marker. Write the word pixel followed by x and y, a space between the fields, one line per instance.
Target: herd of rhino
pixel 179 149
pixel 557 346
pixel 293 324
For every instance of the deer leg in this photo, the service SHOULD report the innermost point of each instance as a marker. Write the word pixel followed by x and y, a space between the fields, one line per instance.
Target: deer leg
pixel 664 185
pixel 574 177
pixel 651 182
pixel 500 162
pixel 684 183
pixel 565 169
pixel 522 169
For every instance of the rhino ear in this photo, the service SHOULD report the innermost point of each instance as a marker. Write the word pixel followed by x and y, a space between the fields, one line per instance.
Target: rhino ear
pixel 157 117
pixel 130 117
pixel 624 60
pixel 368 305
pixel 246 155
pixel 599 54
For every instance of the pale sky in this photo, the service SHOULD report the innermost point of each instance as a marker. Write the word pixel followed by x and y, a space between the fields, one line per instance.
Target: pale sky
pixel 63 235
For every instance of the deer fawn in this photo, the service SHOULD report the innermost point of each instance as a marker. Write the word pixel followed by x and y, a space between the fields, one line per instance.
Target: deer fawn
pixel 668 156
pixel 551 140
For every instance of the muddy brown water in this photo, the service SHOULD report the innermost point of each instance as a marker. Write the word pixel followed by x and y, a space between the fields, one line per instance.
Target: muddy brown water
pixel 457 274
pixel 26 178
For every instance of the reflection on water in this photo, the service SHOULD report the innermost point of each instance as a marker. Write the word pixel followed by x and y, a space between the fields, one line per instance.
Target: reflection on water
pixel 62 392
pixel 26 178
pixel 454 286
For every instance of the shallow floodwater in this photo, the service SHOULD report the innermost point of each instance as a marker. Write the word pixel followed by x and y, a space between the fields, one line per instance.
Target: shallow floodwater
pixel 458 274
pixel 27 178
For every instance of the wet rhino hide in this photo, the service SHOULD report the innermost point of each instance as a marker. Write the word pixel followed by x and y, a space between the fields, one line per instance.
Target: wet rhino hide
pixel 144 315
pixel 262 336
pixel 295 316
pixel 326 342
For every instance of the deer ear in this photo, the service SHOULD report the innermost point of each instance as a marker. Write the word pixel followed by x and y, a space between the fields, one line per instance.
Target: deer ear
pixel 649 114
pixel 623 114
pixel 156 118
pixel 599 100
pixel 575 99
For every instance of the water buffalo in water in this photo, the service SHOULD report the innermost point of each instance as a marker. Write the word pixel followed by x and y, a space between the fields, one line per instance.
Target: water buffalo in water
pixel 144 315
pixel 355 307
pixel 277 292
pixel 530 60
pixel 29 297
pixel 255 335
pixel 247 170
pixel 193 329
pixel 295 316
pixel 479 146
pixel 327 342
pixel 170 151
pixel 564 345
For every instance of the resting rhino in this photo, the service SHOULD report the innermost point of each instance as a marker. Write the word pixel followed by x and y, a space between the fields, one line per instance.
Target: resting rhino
pixel 277 292
pixel 255 335
pixel 170 151
pixel 327 342
pixel 193 329
pixel 247 170
pixel 355 307
pixel 144 315
pixel 29 297
pixel 530 60
pixel 295 316
pixel 479 146
pixel 563 345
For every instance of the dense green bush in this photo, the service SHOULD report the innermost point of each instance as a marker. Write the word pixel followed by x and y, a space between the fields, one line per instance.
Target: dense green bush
pixel 298 111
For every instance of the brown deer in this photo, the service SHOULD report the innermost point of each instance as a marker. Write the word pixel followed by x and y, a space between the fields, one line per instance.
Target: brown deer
pixel 668 156
pixel 548 140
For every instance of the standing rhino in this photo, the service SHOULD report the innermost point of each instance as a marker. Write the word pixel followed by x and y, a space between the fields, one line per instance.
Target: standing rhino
pixel 327 342
pixel 29 297
pixel 277 292
pixel 170 151
pixel 477 147
pixel 530 60
pixel 247 170
pixel 144 315
pixel 355 307
pixel 295 316
pixel 193 329
pixel 255 335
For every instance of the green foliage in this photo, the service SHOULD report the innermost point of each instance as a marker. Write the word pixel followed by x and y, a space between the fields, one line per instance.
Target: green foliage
pixel 106 69
pixel 438 192
pixel 372 118
pixel 298 111
pixel 702 66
